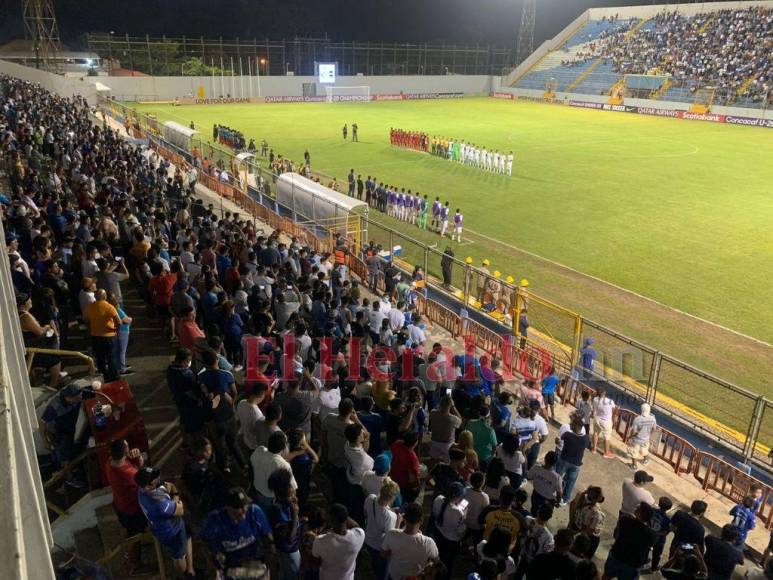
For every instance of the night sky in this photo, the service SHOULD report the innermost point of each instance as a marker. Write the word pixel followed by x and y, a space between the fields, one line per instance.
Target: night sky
pixel 452 21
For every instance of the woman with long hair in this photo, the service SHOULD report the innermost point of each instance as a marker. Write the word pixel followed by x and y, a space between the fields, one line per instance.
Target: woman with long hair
pixel 495 479
pixel 40 336
pixel 465 443
pixel 510 453
pixel 122 342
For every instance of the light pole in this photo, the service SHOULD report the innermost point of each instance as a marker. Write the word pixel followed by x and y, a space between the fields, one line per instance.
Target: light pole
pixel 110 49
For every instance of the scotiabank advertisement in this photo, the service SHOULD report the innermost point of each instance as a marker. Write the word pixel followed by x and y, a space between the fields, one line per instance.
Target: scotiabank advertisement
pixel 676 114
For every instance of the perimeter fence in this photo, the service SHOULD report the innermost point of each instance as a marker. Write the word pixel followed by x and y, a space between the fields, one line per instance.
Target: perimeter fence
pixel 187 56
pixel 732 416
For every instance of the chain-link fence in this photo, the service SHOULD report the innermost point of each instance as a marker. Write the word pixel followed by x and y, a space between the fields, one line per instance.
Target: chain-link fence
pixel 185 56
pixel 625 362
pixel 704 401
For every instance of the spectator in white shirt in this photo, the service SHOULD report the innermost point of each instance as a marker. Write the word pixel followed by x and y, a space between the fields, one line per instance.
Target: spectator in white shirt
pixel 450 513
pixel 379 519
pixel 358 462
pixel 249 413
pixel 603 407
pixel 265 461
pixel 375 316
pixel 338 548
pixel 415 333
pixel 479 500
pixel 397 317
pixel 408 550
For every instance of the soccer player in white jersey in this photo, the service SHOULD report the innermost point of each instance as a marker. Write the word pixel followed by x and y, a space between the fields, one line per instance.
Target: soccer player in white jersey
pixel 510 163
pixel 501 162
pixel 450 152
pixel 483 155
pixel 477 156
pixel 495 162
pixel 463 152
pixel 490 161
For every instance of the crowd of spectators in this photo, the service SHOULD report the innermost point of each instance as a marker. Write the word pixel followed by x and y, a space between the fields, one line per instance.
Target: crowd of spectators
pixel 291 379
pixel 721 49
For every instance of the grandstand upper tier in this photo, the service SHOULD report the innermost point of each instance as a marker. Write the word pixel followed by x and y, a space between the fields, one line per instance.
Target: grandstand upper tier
pixel 724 46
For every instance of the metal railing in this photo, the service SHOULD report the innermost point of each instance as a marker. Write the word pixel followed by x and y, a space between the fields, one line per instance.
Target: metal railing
pixel 33 351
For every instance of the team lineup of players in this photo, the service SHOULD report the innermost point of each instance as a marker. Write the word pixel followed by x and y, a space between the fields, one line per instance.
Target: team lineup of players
pixel 469 154
pixel 412 208
pixel 409 139
pixel 459 151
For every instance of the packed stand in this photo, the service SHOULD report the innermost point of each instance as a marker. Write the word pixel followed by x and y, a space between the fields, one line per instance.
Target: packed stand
pixel 720 49
pixel 326 435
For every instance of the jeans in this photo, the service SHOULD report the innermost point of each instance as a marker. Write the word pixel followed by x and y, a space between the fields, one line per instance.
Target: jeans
pixel 570 472
pixel 379 565
pixel 119 349
pixel 104 356
pixel 289 565
pixel 532 455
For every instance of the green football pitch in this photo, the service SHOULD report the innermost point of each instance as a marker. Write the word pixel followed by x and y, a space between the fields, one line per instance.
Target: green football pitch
pixel 676 213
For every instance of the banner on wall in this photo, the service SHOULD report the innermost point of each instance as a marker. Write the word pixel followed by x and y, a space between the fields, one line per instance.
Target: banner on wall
pixel 749 121
pixel 388 97
pixel 498 95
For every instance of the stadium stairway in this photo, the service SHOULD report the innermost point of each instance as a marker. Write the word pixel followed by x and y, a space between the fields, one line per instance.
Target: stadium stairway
pixel 655 95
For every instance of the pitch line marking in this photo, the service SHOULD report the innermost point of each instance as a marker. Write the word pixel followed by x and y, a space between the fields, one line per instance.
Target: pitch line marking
pixel 626 290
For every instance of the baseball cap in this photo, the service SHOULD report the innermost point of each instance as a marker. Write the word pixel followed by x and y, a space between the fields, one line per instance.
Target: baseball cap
pixel 237 499
pixel 642 476
pixel 381 464
pixel 71 390
pixel 146 476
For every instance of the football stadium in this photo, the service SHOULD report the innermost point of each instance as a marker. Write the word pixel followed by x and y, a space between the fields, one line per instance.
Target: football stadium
pixel 383 290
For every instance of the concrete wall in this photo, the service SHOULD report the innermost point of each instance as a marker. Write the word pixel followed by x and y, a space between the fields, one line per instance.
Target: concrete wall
pixel 61 85
pixel 166 88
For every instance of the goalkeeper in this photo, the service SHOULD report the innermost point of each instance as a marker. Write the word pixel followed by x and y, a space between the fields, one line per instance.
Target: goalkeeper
pixel 423 212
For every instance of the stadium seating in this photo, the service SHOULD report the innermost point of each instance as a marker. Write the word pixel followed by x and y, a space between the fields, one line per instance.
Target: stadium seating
pixel 725 49
pixel 593 30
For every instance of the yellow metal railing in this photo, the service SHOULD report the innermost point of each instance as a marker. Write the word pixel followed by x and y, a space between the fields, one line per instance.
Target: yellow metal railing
pixel 32 351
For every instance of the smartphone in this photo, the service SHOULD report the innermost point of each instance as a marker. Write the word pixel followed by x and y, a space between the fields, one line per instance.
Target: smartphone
pixel 118 258
pixel 448 391
pixel 687 547
pixel 289 286
pixel 463 504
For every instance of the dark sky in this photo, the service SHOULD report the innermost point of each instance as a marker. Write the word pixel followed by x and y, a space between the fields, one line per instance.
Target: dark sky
pixel 453 21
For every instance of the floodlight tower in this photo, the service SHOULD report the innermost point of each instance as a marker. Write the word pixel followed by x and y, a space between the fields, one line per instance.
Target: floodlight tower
pixel 41 28
pixel 526 32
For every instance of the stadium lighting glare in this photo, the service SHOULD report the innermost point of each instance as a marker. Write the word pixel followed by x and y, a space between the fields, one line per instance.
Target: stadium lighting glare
pixel 263 61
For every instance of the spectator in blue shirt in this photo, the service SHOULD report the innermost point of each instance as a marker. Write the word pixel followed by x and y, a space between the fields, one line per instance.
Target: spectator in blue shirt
pixel 285 524
pixel 374 423
pixel 164 509
pixel 744 519
pixel 221 389
pixel 587 357
pixel 238 533
pixel 549 385
pixel 661 524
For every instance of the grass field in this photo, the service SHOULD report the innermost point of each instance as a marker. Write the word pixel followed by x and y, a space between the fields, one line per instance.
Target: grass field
pixel 675 211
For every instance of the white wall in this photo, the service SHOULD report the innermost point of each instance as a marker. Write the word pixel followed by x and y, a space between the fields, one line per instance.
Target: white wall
pixel 61 85
pixel 166 88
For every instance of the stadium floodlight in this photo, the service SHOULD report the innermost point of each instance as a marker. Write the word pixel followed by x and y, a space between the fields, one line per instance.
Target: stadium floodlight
pixel 526 31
